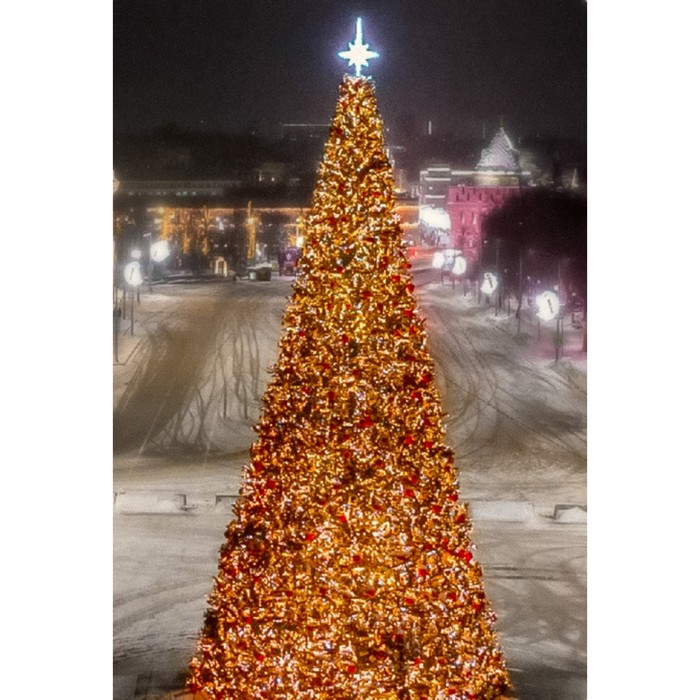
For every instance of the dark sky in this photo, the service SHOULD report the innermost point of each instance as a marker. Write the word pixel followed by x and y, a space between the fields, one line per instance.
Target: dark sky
pixel 235 64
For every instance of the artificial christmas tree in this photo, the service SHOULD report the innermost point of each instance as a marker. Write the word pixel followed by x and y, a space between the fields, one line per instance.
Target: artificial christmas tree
pixel 347 571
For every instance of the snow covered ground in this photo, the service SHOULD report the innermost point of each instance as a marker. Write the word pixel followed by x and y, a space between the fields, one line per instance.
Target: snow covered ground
pixel 186 387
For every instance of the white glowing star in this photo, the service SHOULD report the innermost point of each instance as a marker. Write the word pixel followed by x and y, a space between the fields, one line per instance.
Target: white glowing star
pixel 357 53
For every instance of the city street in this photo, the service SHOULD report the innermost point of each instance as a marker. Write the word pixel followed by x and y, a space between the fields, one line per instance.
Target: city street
pixel 186 393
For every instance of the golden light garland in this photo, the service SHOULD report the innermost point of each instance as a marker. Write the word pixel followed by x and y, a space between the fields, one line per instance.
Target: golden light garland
pixel 347 570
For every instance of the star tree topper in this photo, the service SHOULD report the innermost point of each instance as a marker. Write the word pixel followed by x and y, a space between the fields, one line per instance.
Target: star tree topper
pixel 357 53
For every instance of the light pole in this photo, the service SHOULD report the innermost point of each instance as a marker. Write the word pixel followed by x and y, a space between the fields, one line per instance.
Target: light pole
pixel 136 255
pixel 149 235
pixel 489 287
pixel 116 323
pixel 548 308
pixel 498 275
pixel 132 275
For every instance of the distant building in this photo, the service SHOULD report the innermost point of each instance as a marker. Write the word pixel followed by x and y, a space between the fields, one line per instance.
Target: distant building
pixel 305 133
pixel 497 167
pixel 462 198
pixel 178 188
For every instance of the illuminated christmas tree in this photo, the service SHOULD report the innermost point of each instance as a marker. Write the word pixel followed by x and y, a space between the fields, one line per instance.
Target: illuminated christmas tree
pixel 347 571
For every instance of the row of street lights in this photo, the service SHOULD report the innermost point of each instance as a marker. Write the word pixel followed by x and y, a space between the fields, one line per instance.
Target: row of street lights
pixel 547 303
pixel 158 252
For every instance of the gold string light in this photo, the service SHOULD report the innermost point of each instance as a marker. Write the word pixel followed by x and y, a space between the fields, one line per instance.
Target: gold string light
pixel 348 569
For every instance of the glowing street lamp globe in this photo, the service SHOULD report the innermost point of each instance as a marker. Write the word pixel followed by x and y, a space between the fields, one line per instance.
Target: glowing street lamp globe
pixel 438 260
pixel 132 274
pixel 159 251
pixel 460 266
pixel 490 283
pixel 547 306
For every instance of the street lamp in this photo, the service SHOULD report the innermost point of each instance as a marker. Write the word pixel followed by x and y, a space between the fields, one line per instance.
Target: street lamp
pixel 132 276
pixel 157 253
pixel 149 235
pixel 489 285
pixel 548 308
pixel 136 255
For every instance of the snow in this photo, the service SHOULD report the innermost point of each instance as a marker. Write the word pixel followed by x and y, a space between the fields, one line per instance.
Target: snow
pixel 516 419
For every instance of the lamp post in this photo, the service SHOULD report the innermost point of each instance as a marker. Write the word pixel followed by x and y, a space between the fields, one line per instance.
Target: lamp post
pixel 116 323
pixel 149 235
pixel 548 308
pixel 136 255
pixel 498 275
pixel 132 275
pixel 489 287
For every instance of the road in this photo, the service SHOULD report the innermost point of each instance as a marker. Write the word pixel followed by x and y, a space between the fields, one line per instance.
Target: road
pixel 535 579
pixel 198 376
pixel 185 403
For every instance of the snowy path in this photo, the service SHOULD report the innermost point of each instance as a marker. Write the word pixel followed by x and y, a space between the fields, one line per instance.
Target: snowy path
pixel 185 403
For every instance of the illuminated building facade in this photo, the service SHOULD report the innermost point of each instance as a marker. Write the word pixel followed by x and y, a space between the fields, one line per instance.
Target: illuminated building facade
pixel 468 196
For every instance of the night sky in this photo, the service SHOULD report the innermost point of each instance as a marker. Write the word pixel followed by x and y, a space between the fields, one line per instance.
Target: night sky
pixel 237 65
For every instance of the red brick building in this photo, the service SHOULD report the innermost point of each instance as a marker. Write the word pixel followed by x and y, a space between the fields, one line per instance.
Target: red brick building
pixel 496 179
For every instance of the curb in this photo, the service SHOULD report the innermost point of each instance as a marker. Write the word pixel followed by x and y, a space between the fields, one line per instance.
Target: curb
pixel 174 503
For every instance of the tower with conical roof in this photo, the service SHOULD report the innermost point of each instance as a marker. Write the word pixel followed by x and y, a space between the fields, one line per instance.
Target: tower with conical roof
pixel 499 155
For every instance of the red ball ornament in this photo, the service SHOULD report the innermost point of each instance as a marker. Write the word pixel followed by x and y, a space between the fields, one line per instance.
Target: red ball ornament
pixel 465 555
